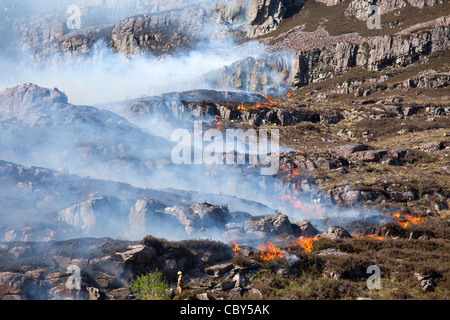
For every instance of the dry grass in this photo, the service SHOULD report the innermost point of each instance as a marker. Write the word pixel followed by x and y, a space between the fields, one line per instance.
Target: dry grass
pixel 314 14
pixel 398 259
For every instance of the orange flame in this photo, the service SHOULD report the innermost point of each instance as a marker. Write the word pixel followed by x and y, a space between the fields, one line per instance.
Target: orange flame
pixel 403 224
pixel 267 98
pixel 256 106
pixel 373 236
pixel 217 123
pixel 243 40
pixel 413 220
pixel 292 174
pixel 236 249
pixel 409 219
pixel 295 203
pixel 306 243
pixel 295 172
pixel 269 252
pixel 288 95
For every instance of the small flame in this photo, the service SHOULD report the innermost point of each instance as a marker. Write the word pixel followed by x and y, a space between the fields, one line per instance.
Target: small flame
pixel 403 224
pixel 295 203
pixel 413 220
pixel 288 95
pixel 407 219
pixel 243 40
pixel 292 173
pixel 256 106
pixel 269 252
pixel 373 236
pixel 306 243
pixel 267 98
pixel 236 249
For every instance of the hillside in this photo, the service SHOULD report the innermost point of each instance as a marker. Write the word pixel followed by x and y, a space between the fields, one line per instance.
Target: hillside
pixel 268 149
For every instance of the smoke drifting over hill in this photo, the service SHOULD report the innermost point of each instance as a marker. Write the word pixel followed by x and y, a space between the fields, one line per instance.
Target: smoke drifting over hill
pixel 110 67
pixel 131 69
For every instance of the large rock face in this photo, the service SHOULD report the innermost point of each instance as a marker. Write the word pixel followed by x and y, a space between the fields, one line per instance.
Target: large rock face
pixel 261 16
pixel 375 53
pixel 360 8
pixel 159 33
pixel 398 51
pixel 266 73
pixel 158 27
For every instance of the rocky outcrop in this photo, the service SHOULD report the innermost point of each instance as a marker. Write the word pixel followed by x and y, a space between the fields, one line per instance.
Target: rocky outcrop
pixel 306 229
pixel 266 15
pixel 158 33
pixel 105 266
pixel 264 73
pixel 335 232
pixel 54 132
pixel 381 52
pixel 360 152
pixel 129 27
pixel 375 53
pixel 254 109
pixel 261 16
pixel 27 98
pixel 157 27
pixel 424 3
pixel 330 3
pixel 428 79
pixel 360 8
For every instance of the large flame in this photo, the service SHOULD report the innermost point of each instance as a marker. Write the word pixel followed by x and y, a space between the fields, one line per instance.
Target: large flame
pixel 269 252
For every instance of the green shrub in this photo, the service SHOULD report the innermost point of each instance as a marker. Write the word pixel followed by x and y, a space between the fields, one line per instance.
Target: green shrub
pixel 150 286
pixel 366 48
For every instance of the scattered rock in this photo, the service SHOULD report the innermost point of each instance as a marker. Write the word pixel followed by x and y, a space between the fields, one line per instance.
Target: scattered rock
pixel 219 269
pixel 332 252
pixel 431 146
pixel 335 232
pixel 427 285
pixel 346 150
pixel 227 285
pixel 305 228
pixel 202 296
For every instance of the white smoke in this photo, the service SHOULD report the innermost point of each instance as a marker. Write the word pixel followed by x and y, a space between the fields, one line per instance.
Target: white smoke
pixel 106 77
